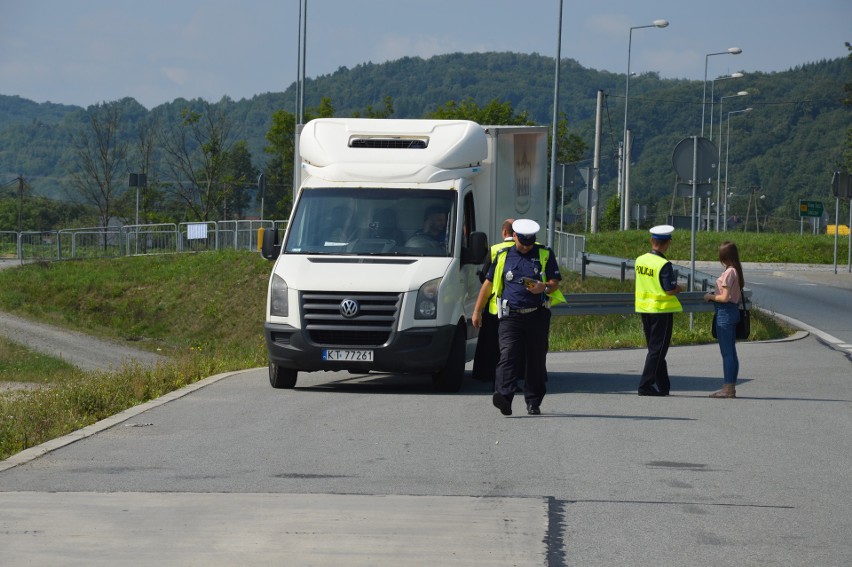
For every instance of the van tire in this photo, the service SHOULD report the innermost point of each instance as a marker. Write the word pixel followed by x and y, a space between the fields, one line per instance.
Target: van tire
pixel 282 378
pixel 449 379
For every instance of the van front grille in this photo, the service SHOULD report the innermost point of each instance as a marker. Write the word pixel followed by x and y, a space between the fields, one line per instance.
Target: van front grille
pixel 374 320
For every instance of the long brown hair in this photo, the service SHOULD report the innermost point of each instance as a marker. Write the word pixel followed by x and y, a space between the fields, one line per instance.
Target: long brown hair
pixel 729 255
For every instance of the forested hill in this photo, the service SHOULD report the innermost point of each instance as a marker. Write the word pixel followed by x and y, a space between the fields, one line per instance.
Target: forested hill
pixel 788 145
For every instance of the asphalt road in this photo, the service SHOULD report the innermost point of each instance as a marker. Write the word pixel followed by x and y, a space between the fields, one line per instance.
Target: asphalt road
pixel 815 299
pixel 379 470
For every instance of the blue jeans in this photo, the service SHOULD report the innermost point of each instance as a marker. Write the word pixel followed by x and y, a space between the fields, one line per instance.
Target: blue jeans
pixel 727 317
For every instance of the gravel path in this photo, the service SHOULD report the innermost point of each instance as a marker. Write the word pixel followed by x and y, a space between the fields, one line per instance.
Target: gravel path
pixel 79 349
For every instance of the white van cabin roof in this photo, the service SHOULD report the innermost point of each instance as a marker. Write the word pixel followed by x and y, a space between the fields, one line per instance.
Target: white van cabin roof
pixel 344 149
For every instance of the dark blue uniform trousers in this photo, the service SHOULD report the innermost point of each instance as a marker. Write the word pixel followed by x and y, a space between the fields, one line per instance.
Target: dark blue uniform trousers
pixel 658 335
pixel 523 355
pixel 487 345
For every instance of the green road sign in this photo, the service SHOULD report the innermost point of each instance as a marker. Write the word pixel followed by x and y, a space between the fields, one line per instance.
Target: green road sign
pixel 810 208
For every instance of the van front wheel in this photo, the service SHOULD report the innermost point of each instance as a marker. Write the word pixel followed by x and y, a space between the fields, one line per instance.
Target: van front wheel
pixel 449 378
pixel 282 377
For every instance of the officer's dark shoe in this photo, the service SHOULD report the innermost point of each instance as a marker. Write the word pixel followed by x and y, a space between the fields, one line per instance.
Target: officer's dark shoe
pixel 533 410
pixel 651 392
pixel 501 403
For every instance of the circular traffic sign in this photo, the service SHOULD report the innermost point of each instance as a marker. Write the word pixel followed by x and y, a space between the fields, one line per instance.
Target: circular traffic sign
pixel 708 159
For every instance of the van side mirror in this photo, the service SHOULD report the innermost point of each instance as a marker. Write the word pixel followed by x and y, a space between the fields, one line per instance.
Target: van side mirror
pixel 270 248
pixel 476 250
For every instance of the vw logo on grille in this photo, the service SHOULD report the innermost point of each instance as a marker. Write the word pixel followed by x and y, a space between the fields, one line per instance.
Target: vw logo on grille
pixel 349 308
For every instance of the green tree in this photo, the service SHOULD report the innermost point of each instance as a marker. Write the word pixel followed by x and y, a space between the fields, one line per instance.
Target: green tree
pixel 325 110
pixel 141 160
pixel 281 145
pixel 101 153
pixel 385 112
pixel 238 180
pixel 570 147
pixel 281 138
pixel 494 112
pixel 195 151
pixel 612 214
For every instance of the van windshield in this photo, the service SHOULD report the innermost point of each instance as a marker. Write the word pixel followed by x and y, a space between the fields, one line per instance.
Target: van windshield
pixel 358 221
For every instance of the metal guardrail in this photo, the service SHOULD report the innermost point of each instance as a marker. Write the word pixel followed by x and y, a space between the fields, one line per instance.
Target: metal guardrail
pixel 703 280
pixel 623 303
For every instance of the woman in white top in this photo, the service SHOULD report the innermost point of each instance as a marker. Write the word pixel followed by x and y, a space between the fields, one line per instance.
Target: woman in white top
pixel 727 296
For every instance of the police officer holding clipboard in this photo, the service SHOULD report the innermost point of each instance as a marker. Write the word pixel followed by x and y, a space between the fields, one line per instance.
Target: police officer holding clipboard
pixel 525 281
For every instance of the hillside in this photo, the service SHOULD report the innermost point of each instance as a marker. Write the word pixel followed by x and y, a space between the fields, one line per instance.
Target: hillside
pixel 788 145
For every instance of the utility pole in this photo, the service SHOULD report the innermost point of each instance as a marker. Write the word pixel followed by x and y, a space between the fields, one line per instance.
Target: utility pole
pixel 596 164
pixel 21 203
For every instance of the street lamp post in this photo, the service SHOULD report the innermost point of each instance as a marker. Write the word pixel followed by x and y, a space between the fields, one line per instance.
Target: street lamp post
pixel 725 205
pixel 719 169
pixel 553 146
pixel 727 149
pixel 623 177
pixel 729 51
pixel 713 100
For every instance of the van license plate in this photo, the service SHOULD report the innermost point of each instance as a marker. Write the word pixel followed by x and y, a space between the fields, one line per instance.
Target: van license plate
pixel 348 355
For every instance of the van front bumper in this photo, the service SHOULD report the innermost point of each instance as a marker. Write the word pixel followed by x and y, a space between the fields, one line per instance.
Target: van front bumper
pixel 419 350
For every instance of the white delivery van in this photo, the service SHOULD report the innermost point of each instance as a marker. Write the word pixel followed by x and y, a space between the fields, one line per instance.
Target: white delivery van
pixel 378 268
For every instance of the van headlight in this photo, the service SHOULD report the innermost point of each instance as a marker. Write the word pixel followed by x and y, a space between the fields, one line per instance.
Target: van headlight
pixel 278 304
pixel 426 305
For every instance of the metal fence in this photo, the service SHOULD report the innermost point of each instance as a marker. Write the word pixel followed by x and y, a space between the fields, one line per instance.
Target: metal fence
pixel 170 238
pixel 134 240
pixel 8 245
pixel 569 250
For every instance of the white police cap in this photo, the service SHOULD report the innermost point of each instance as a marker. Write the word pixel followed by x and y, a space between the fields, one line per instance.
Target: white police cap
pixel 662 231
pixel 525 227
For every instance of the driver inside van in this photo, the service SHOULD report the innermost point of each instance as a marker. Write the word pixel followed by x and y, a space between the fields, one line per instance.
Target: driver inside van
pixel 434 231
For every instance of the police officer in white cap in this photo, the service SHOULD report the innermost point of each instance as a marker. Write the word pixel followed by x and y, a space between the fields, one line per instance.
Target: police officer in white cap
pixel 655 299
pixel 525 280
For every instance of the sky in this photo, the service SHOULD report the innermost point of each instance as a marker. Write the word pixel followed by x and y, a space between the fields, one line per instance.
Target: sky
pixel 85 52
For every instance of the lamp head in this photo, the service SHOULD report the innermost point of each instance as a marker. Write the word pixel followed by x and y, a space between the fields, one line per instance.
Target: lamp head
pixel 734 50
pixel 737 75
pixel 661 23
pixel 742 93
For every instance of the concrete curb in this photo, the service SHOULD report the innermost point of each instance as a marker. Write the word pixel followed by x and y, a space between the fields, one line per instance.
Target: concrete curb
pixel 34 452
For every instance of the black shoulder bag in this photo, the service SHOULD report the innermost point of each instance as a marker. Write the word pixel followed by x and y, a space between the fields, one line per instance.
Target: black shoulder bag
pixel 744 326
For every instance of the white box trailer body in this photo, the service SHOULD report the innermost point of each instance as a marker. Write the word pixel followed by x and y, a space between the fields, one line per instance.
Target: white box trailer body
pixel 355 285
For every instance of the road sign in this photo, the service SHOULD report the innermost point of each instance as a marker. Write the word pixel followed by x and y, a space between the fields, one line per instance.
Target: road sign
pixel 841 185
pixel 810 208
pixel 584 195
pixel 684 154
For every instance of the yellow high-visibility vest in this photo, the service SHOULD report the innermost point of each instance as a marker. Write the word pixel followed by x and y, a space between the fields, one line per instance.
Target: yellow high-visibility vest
pixel 495 248
pixel 650 297
pixel 554 298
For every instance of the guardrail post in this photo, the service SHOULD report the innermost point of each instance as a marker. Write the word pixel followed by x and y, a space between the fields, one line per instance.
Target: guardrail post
pixel 623 271
pixel 584 260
